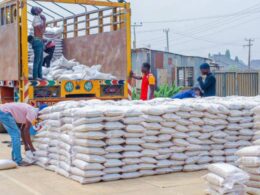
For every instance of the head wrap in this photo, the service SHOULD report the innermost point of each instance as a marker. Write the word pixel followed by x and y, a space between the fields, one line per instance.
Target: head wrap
pixel 34 10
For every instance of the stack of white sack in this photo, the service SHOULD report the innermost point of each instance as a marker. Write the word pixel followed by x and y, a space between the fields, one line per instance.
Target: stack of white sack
pixel 41 143
pixel 52 125
pixel 225 179
pixel 63 69
pixel 109 140
pixel 123 143
pixel 53 32
pixel 256 112
pixel 249 161
pixel 249 157
pixel 85 132
pixel 240 128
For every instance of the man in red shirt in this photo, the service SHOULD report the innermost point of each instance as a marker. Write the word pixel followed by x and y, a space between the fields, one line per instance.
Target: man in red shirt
pixel 148 82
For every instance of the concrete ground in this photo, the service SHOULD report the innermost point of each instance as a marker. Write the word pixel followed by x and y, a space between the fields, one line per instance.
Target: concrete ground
pixel 34 180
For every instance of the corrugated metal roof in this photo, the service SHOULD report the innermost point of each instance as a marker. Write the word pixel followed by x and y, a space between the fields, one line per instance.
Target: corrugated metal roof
pixel 147 49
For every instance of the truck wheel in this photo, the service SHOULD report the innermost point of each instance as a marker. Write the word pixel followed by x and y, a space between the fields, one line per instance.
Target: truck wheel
pixel 2 129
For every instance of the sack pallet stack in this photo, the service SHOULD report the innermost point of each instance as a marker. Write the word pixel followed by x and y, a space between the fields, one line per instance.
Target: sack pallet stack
pixel 225 179
pixel 249 161
pixel 249 158
pixel 107 140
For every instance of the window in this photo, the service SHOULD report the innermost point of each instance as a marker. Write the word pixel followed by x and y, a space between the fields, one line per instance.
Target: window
pixel 8 14
pixel 185 76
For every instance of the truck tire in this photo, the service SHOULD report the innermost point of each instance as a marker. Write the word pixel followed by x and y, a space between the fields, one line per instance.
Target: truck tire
pixel 2 129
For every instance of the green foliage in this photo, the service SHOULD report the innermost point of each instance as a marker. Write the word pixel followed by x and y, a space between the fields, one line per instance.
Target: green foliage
pixel 167 91
pixel 162 91
pixel 135 94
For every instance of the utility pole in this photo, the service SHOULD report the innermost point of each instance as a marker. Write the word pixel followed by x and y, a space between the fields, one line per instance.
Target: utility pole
pixel 249 45
pixel 166 31
pixel 134 27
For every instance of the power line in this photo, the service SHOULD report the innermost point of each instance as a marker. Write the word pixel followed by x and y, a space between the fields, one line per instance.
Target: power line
pixel 205 30
pixel 209 26
pixel 153 39
pixel 183 42
pixel 203 48
pixel 243 11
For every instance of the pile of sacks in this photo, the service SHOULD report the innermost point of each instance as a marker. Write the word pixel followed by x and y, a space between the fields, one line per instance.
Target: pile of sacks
pixel 249 157
pixel 225 179
pixel 63 69
pixel 249 161
pixel 256 112
pixel 94 140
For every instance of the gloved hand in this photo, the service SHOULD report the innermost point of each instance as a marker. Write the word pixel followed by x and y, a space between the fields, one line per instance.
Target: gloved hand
pixel 199 79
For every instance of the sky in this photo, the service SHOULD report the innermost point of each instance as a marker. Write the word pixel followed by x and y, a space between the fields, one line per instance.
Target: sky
pixel 199 27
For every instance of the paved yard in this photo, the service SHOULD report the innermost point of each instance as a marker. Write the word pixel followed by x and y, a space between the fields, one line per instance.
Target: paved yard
pixel 37 181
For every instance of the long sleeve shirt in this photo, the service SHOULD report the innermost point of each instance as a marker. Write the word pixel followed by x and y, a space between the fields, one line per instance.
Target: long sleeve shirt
pixel 209 85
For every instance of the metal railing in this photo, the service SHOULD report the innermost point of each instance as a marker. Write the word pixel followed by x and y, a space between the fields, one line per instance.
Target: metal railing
pixel 99 20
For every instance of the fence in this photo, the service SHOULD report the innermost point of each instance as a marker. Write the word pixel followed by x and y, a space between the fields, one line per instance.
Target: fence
pixel 238 83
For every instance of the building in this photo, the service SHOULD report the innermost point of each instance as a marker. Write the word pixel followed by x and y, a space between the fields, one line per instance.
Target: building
pixel 227 63
pixel 170 68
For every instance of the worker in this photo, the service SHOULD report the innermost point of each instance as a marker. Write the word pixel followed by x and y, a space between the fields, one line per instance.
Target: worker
pixel 208 85
pixel 191 93
pixel 24 114
pixel 148 82
pixel 39 26
pixel 49 50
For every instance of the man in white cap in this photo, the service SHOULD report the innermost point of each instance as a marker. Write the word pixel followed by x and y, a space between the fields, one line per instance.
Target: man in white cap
pixel 21 113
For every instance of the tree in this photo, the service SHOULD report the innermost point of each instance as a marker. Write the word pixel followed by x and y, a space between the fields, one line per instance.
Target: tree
pixel 237 59
pixel 209 55
pixel 227 54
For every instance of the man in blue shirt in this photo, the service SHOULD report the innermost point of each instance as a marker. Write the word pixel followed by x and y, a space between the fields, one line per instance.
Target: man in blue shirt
pixel 209 84
pixel 192 93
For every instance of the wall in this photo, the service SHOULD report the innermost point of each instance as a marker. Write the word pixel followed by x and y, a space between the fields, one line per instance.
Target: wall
pixel 237 83
pixel 9 69
pixel 107 49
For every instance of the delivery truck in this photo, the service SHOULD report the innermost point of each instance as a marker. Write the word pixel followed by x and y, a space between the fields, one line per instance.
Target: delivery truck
pixel 93 32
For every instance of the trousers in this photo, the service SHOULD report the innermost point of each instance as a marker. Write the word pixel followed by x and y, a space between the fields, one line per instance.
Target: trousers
pixel 11 127
pixel 37 46
pixel 48 58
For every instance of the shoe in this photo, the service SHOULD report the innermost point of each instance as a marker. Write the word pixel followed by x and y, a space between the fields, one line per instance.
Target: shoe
pixel 25 164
